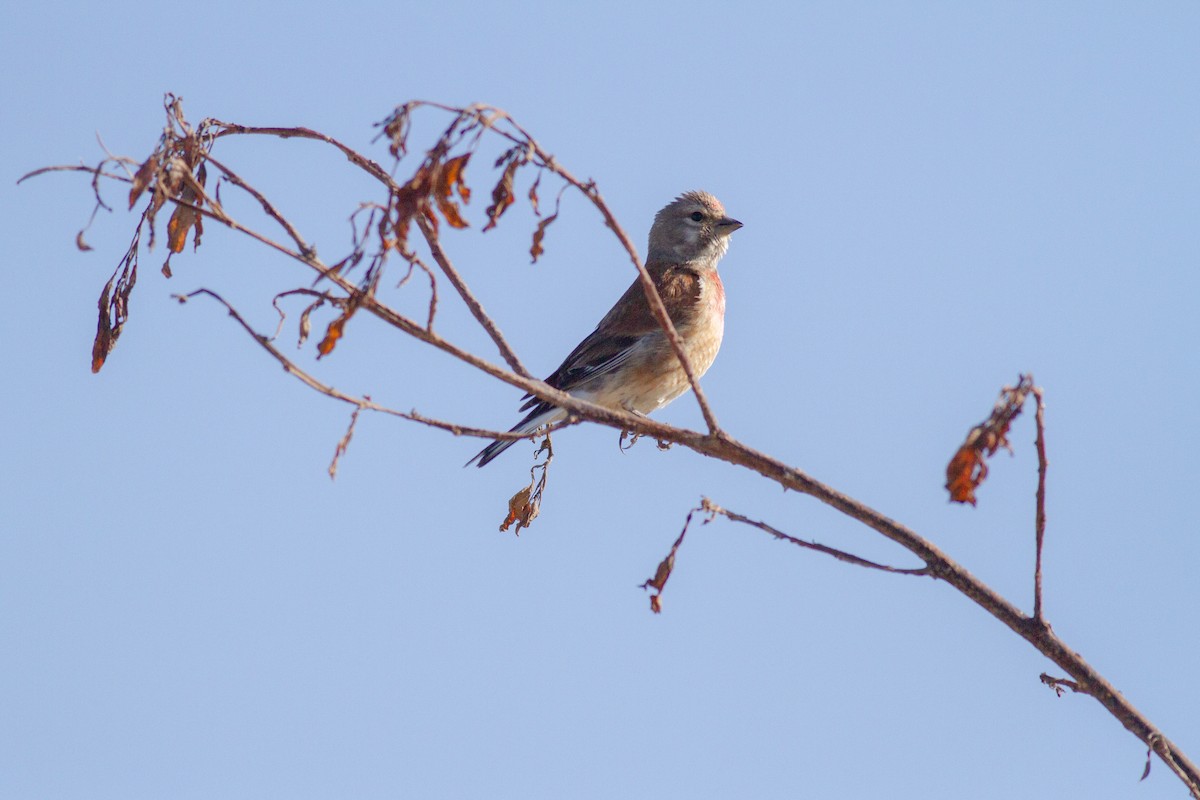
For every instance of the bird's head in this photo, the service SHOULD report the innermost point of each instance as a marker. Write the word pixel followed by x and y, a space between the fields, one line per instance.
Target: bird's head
pixel 693 227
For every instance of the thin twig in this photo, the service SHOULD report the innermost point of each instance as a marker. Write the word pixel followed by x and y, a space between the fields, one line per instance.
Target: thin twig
pixel 96 171
pixel 344 442
pixel 374 170
pixel 840 555
pixel 464 291
pixel 363 402
pixel 665 567
pixel 1040 519
pixel 1058 684
pixel 267 206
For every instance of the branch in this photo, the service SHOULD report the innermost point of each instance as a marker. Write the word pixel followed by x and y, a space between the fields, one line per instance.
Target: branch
pixel 715 443
pixel 1040 513
pixel 228 128
pixel 476 308
pixel 359 403
pixel 840 555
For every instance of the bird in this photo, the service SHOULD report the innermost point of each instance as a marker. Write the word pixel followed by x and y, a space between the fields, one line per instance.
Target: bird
pixel 627 362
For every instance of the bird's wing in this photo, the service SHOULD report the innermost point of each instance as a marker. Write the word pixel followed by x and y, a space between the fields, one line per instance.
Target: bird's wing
pixel 627 324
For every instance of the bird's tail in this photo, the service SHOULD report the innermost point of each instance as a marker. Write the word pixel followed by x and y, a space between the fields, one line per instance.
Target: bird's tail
pixel 542 414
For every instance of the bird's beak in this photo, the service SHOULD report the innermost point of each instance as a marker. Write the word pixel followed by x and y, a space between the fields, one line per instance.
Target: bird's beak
pixel 727 225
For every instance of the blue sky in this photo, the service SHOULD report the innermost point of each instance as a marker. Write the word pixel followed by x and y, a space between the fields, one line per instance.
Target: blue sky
pixel 936 197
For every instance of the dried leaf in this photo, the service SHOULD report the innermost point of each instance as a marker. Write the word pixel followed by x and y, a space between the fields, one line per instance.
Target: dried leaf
pixel 80 243
pixel 659 581
pixel 166 267
pixel 397 128
pixel 406 203
pixel 114 305
pixel 533 195
pixel 202 179
pixel 185 217
pixel 306 321
pixel 502 194
pixel 142 178
pixel 968 468
pixel 104 341
pixel 964 473
pixel 662 573
pixel 521 510
pixel 335 330
pixel 451 177
pixel 181 222
pixel 539 234
pixel 343 443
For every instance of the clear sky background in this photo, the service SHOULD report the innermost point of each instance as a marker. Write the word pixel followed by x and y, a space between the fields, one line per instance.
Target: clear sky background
pixel 936 197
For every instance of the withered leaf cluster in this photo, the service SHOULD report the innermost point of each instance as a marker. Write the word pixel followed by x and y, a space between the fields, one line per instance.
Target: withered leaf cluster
pixel 439 182
pixel 968 468
pixel 174 171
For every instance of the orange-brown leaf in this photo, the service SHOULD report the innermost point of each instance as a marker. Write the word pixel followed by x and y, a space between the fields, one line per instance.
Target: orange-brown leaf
pixel 450 177
pixel 502 194
pixel 182 220
pixel 533 195
pixel 661 574
pixel 968 468
pixel 103 343
pixel 521 510
pixel 142 178
pixel 964 473
pixel 539 234
pixel 184 217
pixel 80 243
pixel 334 332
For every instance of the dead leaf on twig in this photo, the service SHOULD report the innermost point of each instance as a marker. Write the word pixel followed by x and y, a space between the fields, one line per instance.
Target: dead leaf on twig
pixel 186 217
pixel 397 128
pixel 536 249
pixel 450 177
pixel 659 581
pixel 525 505
pixel 142 178
pixel 522 509
pixel 335 330
pixel 113 305
pixel 665 567
pixel 502 193
pixel 533 195
pixel 306 321
pixel 539 234
pixel 968 468
pixel 344 442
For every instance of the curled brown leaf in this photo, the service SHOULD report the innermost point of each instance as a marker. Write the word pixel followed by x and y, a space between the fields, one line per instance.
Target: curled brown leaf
pixel 536 249
pixel 968 467
pixel 449 178
pixel 335 331
pixel 502 193
pixel 522 509
pixel 142 178
pixel 102 345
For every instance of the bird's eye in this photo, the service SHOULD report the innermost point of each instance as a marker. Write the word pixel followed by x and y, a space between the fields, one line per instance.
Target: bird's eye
pixel 697 216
